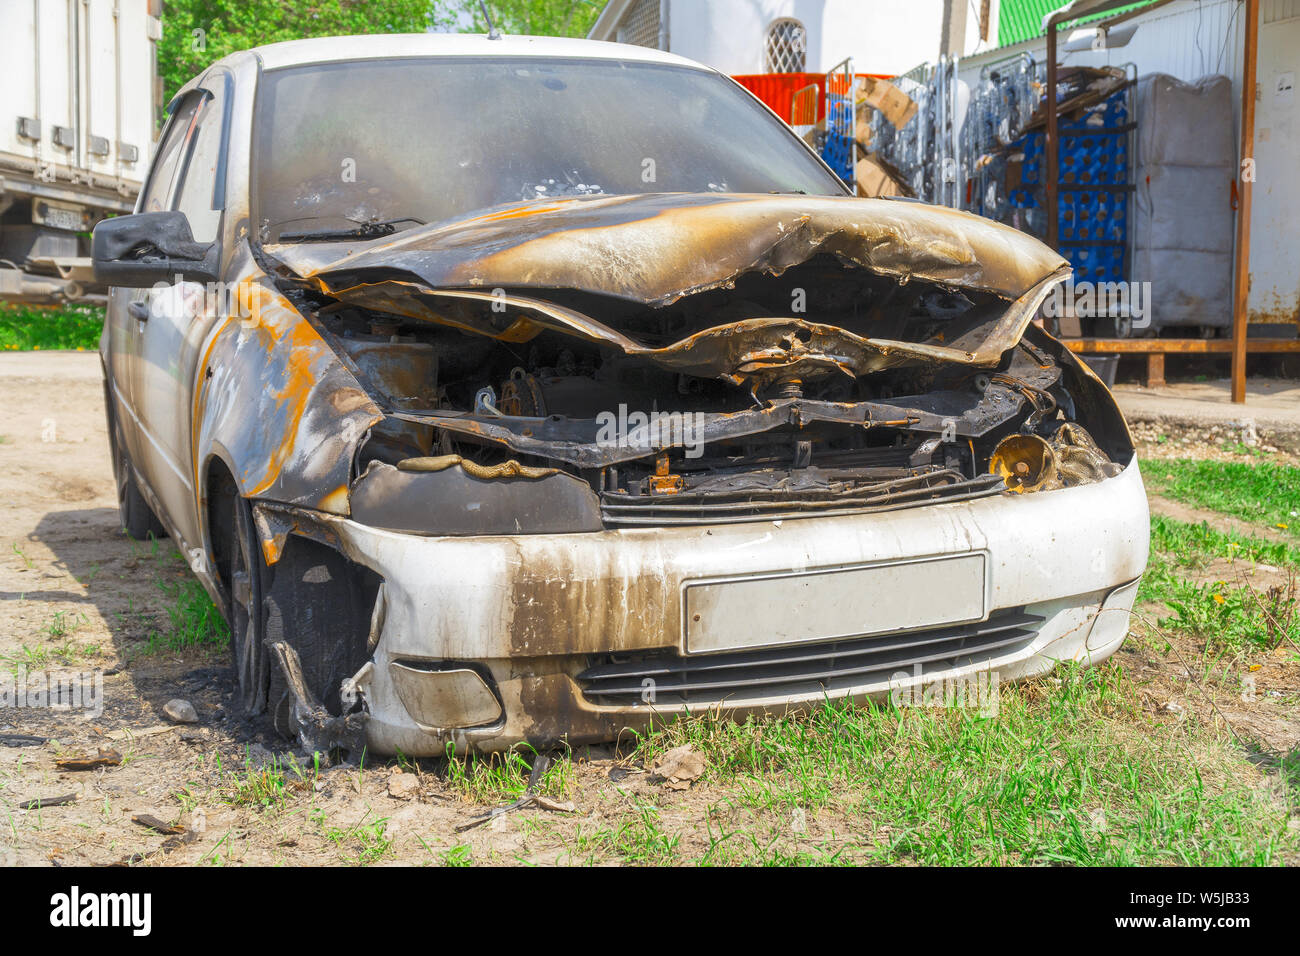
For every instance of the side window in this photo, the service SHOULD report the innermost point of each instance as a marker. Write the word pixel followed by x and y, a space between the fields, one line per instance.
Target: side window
pixel 157 193
pixel 197 196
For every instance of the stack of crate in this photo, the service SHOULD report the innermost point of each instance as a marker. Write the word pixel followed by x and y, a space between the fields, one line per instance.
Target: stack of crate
pixel 1094 185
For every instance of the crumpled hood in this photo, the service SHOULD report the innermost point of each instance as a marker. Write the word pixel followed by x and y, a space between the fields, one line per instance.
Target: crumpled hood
pixel 654 249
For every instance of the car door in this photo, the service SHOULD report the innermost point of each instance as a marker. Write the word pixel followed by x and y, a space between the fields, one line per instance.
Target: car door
pixel 177 317
pixel 126 306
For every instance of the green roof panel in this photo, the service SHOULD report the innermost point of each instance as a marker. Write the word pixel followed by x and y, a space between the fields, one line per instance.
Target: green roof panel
pixel 1023 19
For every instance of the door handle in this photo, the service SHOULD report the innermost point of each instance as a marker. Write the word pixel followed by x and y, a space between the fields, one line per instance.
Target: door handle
pixel 138 310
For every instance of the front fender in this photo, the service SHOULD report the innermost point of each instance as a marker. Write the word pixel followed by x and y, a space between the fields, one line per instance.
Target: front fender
pixel 276 403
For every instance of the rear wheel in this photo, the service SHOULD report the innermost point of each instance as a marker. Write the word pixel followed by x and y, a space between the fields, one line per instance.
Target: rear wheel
pixel 138 519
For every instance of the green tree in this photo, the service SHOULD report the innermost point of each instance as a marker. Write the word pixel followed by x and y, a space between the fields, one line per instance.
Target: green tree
pixel 556 18
pixel 199 32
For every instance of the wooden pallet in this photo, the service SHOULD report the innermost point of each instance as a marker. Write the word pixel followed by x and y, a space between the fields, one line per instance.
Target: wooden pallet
pixel 1156 349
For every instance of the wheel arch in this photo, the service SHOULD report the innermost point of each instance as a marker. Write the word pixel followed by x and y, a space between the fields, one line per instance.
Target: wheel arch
pixel 216 489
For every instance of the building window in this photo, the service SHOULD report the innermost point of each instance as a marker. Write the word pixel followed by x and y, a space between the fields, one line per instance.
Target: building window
pixel 640 24
pixel 787 47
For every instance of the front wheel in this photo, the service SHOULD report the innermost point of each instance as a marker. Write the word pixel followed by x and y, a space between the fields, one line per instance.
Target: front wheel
pixel 247 613
pixel 311 601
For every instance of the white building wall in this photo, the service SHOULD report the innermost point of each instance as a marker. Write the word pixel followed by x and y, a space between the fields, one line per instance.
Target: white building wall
pixel 882 36
pixel 1275 204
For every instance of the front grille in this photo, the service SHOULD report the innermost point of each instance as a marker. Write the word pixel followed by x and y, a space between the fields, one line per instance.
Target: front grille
pixel 801 669
pixel 717 507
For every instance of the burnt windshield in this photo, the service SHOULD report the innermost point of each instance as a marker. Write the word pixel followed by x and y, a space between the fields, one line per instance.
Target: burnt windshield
pixel 435 138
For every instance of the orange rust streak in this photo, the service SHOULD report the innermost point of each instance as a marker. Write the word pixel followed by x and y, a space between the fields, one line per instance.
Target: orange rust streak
pixel 304 348
pixel 535 209
pixel 272 548
pixel 336 502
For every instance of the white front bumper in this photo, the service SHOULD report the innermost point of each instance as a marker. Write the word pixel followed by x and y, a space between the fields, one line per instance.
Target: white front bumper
pixel 529 610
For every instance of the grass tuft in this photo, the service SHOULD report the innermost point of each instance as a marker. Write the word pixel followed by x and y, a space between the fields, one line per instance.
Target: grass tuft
pixel 496 777
pixel 1231 613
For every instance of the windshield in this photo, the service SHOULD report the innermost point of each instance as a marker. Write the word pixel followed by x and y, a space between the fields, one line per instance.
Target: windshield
pixel 430 139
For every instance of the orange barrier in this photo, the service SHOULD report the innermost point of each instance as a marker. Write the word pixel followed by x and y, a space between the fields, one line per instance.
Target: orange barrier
pixel 778 91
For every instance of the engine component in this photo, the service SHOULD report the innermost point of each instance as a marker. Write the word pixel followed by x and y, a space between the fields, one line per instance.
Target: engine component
pixel 1026 462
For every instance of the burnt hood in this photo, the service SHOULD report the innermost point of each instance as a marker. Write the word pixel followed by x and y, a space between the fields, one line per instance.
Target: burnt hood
pixel 654 249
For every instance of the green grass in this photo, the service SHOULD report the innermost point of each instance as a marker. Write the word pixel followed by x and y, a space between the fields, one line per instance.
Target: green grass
pixel 364 842
pixel 24 328
pixel 1070 770
pixel 1262 492
pixel 500 777
pixel 459 855
pixel 269 786
pixel 1196 545
pixel 62 624
pixel 1230 614
pixel 42 656
pixel 193 620
pixel 637 838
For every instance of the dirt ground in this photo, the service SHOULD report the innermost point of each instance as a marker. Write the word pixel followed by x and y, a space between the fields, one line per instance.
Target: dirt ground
pixel 1270 402
pixel 77 595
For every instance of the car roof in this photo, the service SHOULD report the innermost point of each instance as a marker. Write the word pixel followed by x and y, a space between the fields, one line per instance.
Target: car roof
pixel 395 45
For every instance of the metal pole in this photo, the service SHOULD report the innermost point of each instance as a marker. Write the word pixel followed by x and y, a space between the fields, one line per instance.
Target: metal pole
pixel 1241 279
pixel 1053 147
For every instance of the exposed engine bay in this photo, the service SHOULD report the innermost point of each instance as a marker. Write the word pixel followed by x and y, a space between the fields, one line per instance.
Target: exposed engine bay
pixel 824 379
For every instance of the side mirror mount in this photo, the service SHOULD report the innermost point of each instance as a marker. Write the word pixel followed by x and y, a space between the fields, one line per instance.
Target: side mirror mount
pixel 141 250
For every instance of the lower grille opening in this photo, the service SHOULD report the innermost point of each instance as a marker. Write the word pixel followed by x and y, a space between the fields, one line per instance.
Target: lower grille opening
pixel 624 510
pixel 800 669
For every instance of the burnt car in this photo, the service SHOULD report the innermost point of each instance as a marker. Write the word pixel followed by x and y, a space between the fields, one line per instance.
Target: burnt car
pixel 528 390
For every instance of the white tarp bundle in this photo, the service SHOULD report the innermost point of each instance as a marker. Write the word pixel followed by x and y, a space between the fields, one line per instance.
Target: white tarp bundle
pixel 1183 217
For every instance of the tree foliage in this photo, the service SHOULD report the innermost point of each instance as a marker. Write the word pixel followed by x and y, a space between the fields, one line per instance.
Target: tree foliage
pixel 557 18
pixel 199 32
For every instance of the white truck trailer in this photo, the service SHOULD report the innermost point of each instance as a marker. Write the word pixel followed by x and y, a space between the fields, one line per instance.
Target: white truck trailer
pixel 78 107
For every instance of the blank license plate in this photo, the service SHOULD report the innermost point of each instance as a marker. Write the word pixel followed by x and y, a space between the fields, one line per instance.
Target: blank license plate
pixel 840 603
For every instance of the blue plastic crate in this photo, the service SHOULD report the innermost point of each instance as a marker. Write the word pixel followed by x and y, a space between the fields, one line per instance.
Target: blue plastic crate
pixel 1092 223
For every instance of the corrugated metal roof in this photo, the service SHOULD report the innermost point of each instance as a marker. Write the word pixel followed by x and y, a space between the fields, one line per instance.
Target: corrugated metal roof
pixel 1022 19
